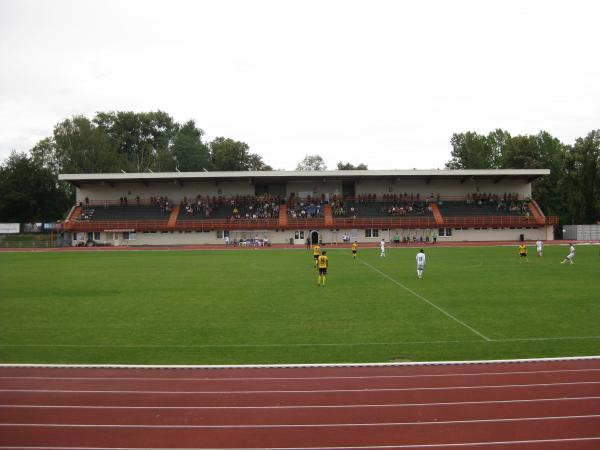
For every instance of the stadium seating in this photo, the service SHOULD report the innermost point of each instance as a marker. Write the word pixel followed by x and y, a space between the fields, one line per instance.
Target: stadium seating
pixel 123 213
pixel 483 208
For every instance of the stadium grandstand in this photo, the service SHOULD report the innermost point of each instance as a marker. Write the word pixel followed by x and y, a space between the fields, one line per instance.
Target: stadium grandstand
pixel 283 207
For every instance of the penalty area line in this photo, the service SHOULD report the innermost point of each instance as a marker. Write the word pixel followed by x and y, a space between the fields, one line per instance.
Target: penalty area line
pixel 429 302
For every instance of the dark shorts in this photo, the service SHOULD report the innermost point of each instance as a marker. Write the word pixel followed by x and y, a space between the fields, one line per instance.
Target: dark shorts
pixel 523 255
pixel 354 252
pixel 323 271
pixel 316 256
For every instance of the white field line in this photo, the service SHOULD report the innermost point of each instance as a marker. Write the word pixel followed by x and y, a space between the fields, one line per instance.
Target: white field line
pixel 310 425
pixel 279 407
pixel 481 362
pixel 314 344
pixel 335 344
pixel 346 447
pixel 373 377
pixel 429 302
pixel 299 391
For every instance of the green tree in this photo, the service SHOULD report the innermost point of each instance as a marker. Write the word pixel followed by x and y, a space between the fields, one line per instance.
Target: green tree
pixel 475 151
pixel 230 155
pixel 348 166
pixel 78 146
pixel 311 162
pixel 541 151
pixel 29 192
pixel 581 179
pixel 190 153
pixel 144 139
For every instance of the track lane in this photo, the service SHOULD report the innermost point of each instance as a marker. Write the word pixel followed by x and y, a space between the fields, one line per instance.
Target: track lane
pixel 301 416
pixel 307 384
pixel 317 436
pixel 522 406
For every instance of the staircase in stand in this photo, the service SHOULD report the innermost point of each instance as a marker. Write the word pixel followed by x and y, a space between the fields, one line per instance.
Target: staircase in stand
pixel 328 212
pixel 437 215
pixel 283 216
pixel 173 217
pixel 73 215
pixel 537 213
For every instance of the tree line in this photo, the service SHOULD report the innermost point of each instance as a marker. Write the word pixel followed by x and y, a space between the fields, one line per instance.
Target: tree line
pixel 571 191
pixel 124 141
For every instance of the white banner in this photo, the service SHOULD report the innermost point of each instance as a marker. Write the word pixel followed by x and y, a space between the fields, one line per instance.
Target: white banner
pixel 9 228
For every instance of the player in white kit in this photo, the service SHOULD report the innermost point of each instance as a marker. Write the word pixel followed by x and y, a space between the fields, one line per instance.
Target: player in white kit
pixel 540 247
pixel 420 263
pixel 382 246
pixel 571 256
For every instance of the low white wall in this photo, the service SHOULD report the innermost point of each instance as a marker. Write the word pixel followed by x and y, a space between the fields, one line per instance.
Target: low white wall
pixel 327 236
pixel 506 234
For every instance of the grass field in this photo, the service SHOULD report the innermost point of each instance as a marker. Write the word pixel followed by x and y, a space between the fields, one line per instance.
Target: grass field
pixel 245 306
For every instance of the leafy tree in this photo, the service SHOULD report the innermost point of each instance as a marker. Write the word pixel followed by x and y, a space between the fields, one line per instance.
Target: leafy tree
pixel 29 192
pixel 144 139
pixel 78 146
pixel 541 151
pixel 312 162
pixel 230 155
pixel 474 151
pixel 581 179
pixel 348 166
pixel 190 153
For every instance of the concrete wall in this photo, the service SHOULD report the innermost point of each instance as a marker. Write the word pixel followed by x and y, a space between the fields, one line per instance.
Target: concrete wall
pixel 506 234
pixel 581 232
pixel 156 189
pixel 326 235
pixel 446 188
pixel 316 188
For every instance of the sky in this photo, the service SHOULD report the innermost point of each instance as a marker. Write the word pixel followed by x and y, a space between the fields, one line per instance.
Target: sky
pixel 385 83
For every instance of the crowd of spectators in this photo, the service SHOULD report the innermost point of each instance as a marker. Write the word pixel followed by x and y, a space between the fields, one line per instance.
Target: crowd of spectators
pixel 305 209
pixel 401 208
pixel 507 203
pixel 239 207
pixel 259 208
pixel 340 208
pixel 163 202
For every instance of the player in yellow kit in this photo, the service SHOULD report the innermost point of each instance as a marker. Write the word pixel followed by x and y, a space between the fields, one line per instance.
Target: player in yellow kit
pixel 316 252
pixel 523 253
pixel 354 249
pixel 322 264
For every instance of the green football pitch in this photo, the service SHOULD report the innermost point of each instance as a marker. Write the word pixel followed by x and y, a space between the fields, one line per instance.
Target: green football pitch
pixel 264 306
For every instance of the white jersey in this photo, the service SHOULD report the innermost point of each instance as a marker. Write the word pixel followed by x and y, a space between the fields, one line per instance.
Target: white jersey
pixel 382 246
pixel 539 245
pixel 571 252
pixel 420 259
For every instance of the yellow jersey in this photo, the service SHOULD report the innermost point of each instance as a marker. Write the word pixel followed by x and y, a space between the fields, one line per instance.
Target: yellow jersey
pixel 522 250
pixel 354 247
pixel 317 250
pixel 322 262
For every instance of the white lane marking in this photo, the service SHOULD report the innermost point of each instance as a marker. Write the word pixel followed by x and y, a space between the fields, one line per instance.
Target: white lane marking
pixel 278 407
pixel 434 375
pixel 307 391
pixel 346 447
pixel 429 302
pixel 481 362
pixel 309 425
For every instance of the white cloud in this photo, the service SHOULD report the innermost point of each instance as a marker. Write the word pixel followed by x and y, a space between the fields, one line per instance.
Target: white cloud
pixel 380 82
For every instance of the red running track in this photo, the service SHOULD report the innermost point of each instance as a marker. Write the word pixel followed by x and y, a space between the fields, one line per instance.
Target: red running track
pixel 546 404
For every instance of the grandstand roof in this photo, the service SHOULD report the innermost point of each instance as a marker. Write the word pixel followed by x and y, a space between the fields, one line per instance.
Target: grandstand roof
pixel 280 175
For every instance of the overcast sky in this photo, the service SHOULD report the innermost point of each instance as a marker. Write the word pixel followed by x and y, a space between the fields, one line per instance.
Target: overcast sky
pixel 384 83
